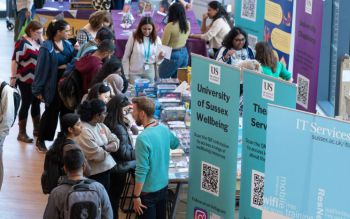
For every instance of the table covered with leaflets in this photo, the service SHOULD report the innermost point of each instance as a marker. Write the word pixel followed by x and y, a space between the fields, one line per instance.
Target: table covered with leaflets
pixel 173 109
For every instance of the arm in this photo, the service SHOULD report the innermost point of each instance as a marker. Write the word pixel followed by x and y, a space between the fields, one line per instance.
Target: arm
pixel 113 141
pixel 7 109
pixel 107 211
pixel 285 74
pixel 92 151
pixel 41 72
pixel 159 52
pixel 174 141
pixel 127 55
pixel 125 152
pixel 204 23
pixel 213 30
pixel 51 210
pixel 166 34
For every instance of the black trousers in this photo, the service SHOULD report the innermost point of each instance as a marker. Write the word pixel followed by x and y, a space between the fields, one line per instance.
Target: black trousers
pixel 103 178
pixel 49 119
pixel 28 99
pixel 115 190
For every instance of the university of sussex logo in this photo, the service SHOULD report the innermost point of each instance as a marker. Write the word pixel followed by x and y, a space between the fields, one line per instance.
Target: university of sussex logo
pixel 268 90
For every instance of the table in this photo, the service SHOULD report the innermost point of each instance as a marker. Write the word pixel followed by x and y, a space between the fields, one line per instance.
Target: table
pixel 193 45
pixel 76 18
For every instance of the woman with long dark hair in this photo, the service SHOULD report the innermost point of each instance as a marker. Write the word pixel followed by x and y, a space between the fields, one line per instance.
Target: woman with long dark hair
pixel 54 55
pixel 100 91
pixel 142 52
pixel 125 156
pixel 175 35
pixel 24 60
pixel 235 47
pixel 218 28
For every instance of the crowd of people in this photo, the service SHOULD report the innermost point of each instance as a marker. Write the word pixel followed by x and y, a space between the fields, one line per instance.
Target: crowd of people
pixel 95 138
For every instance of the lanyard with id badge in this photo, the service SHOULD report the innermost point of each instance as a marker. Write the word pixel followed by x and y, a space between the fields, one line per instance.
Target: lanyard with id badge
pixel 147 54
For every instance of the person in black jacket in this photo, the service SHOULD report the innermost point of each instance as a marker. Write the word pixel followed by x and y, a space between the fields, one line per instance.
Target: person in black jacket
pixel 125 156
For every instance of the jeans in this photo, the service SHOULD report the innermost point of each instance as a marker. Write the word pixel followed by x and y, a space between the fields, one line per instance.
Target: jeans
pixel 19 22
pixel 180 57
pixel 2 139
pixel 155 203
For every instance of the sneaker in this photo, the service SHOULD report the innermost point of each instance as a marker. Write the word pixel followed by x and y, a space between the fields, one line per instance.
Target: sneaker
pixel 40 146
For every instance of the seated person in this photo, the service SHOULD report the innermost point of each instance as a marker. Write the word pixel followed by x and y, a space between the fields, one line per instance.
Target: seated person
pixel 269 63
pixel 74 166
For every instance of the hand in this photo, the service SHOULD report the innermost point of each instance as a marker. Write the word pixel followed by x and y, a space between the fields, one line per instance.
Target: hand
pixel 188 6
pixel 138 206
pixel 41 98
pixel 161 55
pixel 205 16
pixel 76 46
pixel 13 82
pixel 27 14
pixel 110 147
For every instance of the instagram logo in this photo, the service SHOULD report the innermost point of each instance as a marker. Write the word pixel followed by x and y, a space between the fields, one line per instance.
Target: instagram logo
pixel 200 213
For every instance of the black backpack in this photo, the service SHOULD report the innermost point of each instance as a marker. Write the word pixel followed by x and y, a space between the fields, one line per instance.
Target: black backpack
pixel 53 167
pixel 16 99
pixel 82 201
pixel 69 89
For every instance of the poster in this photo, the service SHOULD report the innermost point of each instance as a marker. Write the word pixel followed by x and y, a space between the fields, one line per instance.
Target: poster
pixel 214 139
pixel 278 27
pixel 249 15
pixel 307 165
pixel 308 32
pixel 258 91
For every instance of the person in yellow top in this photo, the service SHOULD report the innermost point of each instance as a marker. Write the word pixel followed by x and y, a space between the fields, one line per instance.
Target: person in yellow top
pixel 175 35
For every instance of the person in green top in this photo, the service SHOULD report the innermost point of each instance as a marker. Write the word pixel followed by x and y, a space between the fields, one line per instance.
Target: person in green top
pixel 175 35
pixel 152 161
pixel 269 63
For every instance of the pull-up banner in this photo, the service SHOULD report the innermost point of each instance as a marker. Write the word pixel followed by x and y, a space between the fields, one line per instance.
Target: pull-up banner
pixel 214 139
pixel 258 91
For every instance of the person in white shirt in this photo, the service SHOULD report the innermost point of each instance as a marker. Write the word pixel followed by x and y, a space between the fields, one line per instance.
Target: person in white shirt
pixel 218 28
pixel 142 52
pixel 7 116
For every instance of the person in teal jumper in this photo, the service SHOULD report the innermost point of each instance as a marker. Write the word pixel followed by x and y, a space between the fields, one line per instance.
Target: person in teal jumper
pixel 269 63
pixel 152 161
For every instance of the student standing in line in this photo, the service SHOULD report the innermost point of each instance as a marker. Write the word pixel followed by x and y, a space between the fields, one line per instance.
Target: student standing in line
pixel 142 52
pixel 175 35
pixel 269 63
pixel 152 161
pixel 218 28
pixel 54 55
pixel 74 165
pixel 23 64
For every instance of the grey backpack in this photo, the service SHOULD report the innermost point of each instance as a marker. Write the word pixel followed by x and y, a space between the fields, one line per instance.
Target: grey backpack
pixel 83 201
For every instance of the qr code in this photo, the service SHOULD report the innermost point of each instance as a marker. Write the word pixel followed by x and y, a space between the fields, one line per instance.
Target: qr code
pixel 210 178
pixel 257 190
pixel 303 91
pixel 248 10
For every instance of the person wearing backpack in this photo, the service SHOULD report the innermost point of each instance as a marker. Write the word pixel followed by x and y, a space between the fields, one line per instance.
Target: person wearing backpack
pixel 54 55
pixel 77 197
pixel 53 165
pixel 7 117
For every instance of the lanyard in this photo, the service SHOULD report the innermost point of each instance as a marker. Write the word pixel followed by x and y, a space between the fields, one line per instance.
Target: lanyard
pixel 147 54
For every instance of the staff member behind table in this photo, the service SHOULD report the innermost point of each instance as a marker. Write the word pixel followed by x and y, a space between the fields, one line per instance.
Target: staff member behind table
pixel 152 161
pixel 269 63
pixel 235 47
pixel 175 35
pixel 54 55
pixel 218 28
pixel 142 52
